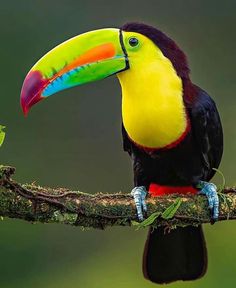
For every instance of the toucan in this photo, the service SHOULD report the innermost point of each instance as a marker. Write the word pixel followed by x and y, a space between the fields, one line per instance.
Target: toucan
pixel 171 128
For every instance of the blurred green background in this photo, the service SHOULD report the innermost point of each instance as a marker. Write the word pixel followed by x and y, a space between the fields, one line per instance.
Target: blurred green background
pixel 74 139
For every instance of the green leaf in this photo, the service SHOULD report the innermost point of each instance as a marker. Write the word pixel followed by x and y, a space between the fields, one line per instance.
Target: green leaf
pixel 2 135
pixel 146 222
pixel 172 209
pixel 167 214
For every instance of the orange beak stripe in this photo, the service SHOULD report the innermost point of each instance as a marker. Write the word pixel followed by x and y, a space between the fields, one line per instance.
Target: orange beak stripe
pixel 101 52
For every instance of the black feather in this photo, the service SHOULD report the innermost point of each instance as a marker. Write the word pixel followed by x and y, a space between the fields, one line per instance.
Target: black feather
pixel 177 254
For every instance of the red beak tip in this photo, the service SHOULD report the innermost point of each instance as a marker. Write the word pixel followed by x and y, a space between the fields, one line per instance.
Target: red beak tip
pixel 24 108
pixel 31 90
pixel 25 113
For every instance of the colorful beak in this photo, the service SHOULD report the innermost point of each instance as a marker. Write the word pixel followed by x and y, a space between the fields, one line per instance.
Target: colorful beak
pixel 85 58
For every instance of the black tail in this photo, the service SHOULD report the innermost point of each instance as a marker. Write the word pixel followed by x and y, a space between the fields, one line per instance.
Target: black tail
pixel 176 255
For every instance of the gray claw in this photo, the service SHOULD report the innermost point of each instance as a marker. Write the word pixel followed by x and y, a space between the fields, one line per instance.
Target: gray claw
pixel 139 193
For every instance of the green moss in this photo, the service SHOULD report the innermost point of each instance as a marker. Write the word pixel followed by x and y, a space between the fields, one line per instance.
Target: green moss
pixel 66 218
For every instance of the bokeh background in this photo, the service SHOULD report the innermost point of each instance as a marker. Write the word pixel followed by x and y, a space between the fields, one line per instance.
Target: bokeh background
pixel 73 139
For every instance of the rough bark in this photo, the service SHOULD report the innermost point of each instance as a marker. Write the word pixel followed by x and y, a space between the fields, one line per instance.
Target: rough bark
pixel 59 205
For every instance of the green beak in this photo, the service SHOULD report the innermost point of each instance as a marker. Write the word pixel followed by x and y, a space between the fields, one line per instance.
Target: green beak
pixel 85 58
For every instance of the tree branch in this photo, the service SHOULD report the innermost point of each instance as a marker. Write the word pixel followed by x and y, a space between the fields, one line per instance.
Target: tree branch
pixel 59 205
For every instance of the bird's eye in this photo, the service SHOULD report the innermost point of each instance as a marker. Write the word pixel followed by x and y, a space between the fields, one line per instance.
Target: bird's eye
pixel 133 41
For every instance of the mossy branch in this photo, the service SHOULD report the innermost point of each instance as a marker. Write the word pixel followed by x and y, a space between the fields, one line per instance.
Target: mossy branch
pixel 58 205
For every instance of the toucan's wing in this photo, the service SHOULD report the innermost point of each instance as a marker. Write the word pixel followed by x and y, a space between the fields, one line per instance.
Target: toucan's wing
pixel 206 129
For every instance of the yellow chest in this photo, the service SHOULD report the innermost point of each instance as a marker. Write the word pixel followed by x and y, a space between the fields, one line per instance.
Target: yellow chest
pixel 153 111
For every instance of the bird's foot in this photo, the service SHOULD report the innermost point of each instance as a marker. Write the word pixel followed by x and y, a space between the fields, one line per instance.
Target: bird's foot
pixel 210 190
pixel 139 193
